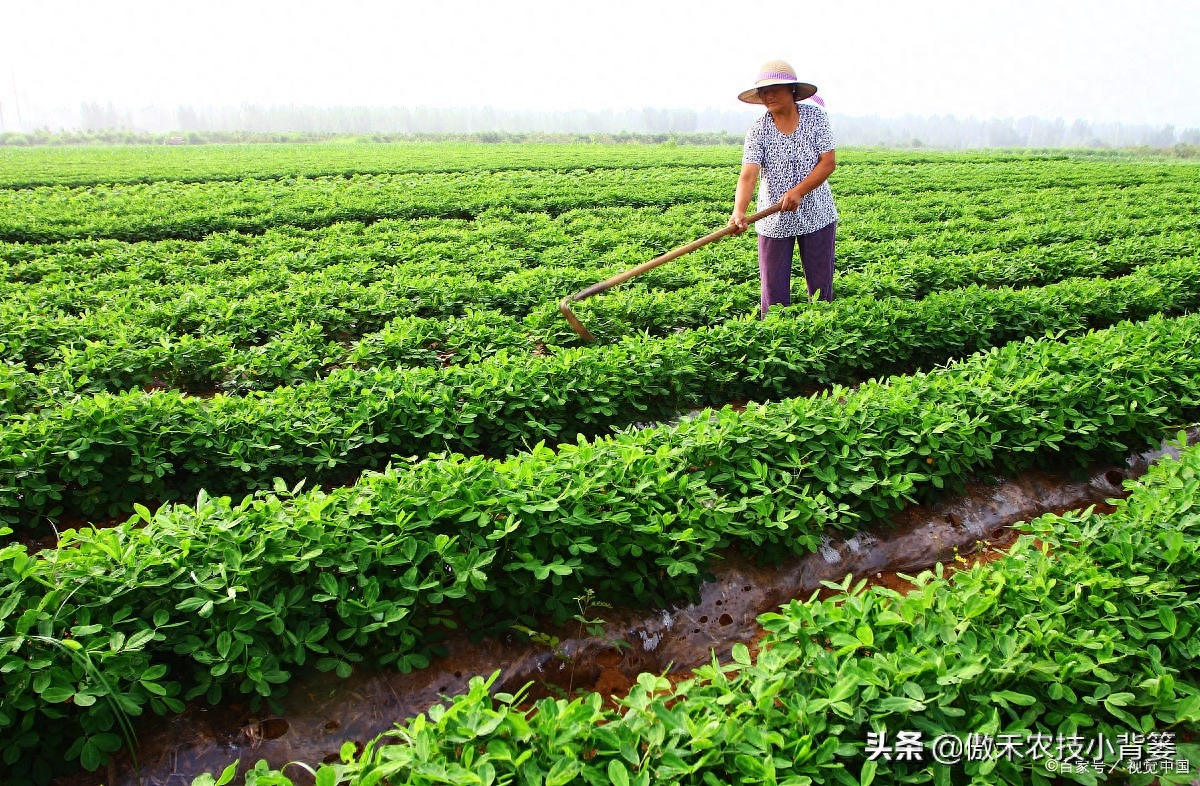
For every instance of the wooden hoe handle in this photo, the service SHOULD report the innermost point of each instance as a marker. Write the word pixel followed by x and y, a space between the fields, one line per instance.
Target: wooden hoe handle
pixel 621 278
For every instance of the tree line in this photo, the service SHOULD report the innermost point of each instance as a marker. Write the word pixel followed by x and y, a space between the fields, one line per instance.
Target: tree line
pixel 248 122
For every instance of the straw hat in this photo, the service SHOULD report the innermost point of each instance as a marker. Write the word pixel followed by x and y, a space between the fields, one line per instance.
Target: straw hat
pixel 776 72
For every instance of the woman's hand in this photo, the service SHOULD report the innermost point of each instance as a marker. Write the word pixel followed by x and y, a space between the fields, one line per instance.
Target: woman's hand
pixel 791 200
pixel 820 173
pixel 741 200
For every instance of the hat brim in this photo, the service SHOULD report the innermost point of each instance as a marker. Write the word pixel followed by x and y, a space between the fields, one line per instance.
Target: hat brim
pixel 751 96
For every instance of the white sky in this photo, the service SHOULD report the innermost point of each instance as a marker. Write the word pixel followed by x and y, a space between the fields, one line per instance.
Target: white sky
pixel 1097 60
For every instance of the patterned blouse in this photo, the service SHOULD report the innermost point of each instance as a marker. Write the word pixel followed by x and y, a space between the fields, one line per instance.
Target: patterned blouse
pixel 786 159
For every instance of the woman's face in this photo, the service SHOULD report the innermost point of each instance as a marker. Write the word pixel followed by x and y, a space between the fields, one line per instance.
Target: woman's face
pixel 775 96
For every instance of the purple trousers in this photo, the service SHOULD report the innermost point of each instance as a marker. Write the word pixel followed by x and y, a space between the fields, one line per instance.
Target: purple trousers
pixel 775 265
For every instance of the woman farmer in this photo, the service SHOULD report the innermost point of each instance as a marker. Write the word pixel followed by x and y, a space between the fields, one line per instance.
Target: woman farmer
pixel 789 152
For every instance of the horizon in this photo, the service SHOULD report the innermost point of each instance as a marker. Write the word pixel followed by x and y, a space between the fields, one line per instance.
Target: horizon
pixel 223 124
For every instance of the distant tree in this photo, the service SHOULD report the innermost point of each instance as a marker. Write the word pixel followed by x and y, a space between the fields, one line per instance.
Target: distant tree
pixel 189 119
pixel 681 121
pixel 107 117
pixel 1001 133
pixel 1080 135
pixel 655 120
pixel 1162 137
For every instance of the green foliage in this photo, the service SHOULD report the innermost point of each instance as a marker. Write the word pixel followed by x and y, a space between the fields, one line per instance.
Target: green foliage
pixel 1071 633
pixel 101 455
pixel 348 312
pixel 238 157
pixel 223 596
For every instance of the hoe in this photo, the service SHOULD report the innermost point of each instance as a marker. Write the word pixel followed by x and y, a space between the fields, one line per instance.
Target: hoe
pixel 596 289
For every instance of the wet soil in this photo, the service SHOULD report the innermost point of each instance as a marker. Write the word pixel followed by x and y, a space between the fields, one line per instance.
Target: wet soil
pixel 321 711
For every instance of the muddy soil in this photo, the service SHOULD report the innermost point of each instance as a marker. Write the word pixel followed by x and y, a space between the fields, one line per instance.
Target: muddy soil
pixel 322 711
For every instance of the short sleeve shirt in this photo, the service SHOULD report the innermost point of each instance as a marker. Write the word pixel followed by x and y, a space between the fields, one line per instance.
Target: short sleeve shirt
pixel 786 159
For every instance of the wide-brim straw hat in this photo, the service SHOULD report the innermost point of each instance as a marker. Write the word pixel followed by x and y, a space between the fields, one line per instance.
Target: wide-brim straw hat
pixel 776 72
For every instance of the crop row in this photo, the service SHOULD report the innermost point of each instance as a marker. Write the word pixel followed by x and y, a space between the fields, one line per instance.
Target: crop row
pixel 102 454
pixel 493 244
pixel 1084 636
pixel 339 312
pixel 224 596
pixel 157 273
pixel 501 241
pixel 265 342
pixel 166 210
pixel 352 300
pixel 81 166
pixel 192 211
pixel 256 306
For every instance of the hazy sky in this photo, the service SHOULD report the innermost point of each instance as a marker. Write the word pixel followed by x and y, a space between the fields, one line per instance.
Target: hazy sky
pixel 1097 60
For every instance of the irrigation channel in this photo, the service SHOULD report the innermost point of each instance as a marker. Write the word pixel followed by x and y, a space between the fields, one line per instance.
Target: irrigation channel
pixel 322 711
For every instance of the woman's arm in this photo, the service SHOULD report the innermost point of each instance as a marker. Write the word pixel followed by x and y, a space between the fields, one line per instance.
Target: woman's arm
pixel 741 198
pixel 819 174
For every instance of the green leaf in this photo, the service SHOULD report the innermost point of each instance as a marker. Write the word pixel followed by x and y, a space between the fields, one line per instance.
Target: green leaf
pixel 1167 617
pixel 1118 700
pixel 85 630
pixel 1188 709
pixel 94 753
pixel 190 604
pixel 1021 699
pixel 57 694
pixel 228 774
pixel 328 584
pixel 1173 540
pixel 901 704
pixel 563 772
